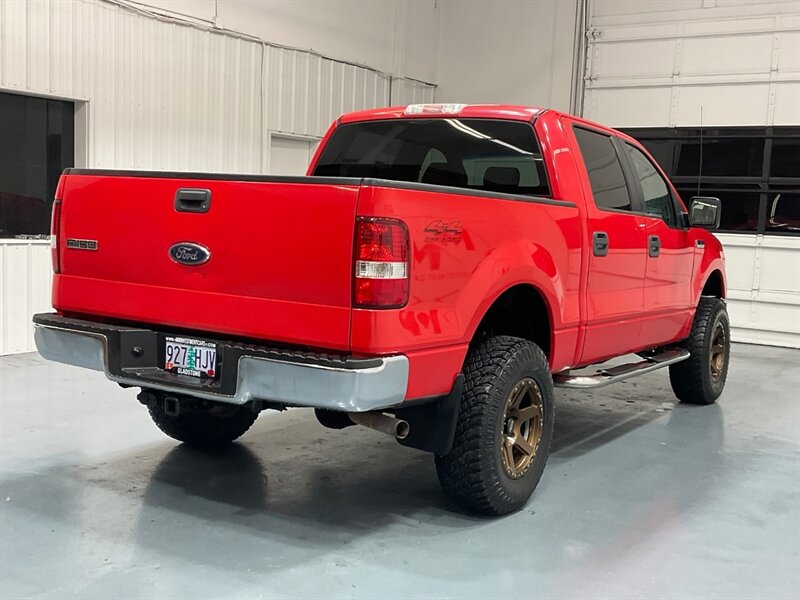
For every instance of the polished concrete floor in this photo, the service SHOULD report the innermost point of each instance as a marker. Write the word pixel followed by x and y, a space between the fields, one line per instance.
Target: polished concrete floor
pixel 642 498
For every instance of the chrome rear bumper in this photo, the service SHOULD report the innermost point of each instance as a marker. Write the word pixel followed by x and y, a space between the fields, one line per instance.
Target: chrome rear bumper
pixel 248 372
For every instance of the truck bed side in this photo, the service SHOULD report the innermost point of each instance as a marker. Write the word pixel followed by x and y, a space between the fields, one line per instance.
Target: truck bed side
pixel 467 250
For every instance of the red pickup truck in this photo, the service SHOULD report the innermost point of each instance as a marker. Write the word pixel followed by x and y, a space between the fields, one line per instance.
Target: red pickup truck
pixel 438 272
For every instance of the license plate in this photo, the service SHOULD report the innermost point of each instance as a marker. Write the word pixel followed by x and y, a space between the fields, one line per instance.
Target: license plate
pixel 186 356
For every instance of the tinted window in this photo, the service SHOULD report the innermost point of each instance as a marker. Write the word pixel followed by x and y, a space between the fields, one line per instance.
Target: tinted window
pixel 785 158
pixel 663 151
pixel 36 144
pixel 479 154
pixel 740 157
pixel 783 212
pixel 604 169
pixel 657 197
pixel 734 170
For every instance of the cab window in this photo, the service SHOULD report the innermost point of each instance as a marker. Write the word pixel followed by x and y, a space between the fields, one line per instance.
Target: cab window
pixel 492 155
pixel 605 173
pixel 655 191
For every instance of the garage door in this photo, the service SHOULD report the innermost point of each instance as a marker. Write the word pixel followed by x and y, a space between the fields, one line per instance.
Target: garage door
pixel 652 71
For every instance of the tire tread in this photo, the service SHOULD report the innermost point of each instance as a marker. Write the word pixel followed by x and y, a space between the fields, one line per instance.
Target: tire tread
pixel 689 378
pixel 462 472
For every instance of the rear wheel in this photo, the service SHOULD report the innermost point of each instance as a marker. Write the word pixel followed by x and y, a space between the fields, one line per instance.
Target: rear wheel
pixel 504 427
pixel 701 378
pixel 210 427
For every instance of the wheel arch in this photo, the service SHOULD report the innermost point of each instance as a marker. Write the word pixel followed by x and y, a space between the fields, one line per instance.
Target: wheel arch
pixel 521 310
pixel 714 285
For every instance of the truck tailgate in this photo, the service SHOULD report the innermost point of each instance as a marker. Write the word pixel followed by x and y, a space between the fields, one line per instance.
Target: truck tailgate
pixel 280 264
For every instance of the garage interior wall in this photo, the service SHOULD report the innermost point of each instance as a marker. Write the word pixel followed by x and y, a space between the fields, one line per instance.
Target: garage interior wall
pixel 166 91
pixel 507 51
pixel 191 84
pixel 654 64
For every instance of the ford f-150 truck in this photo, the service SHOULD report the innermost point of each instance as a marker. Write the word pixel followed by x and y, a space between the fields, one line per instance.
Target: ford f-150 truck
pixel 436 274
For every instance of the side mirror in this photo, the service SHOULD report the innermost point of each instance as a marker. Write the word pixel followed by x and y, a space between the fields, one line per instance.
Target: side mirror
pixel 705 212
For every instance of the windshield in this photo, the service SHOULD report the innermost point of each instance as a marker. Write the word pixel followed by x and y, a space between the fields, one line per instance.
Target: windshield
pixel 478 154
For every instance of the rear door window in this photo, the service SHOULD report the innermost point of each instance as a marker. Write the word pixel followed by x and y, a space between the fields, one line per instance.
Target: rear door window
pixel 603 167
pixel 478 154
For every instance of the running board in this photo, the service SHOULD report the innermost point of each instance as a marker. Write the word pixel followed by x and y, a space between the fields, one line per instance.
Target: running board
pixel 606 377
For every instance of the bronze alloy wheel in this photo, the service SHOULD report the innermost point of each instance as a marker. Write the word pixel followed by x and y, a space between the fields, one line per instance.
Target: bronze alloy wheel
pixel 716 356
pixel 522 427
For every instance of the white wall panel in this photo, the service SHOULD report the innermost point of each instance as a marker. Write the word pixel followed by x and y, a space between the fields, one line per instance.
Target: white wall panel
pixel 616 8
pixel 739 61
pixel 164 95
pixel 763 283
pixel 306 93
pixel 507 51
pixel 728 54
pixel 157 94
pixel 408 91
pixel 653 58
pixel 623 105
pixel 290 156
pixel 24 291
pixel 394 36
pixel 787 104
pixel 789 55
pixel 750 107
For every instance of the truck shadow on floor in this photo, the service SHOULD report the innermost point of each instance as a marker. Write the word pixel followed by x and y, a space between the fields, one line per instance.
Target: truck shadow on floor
pixel 586 420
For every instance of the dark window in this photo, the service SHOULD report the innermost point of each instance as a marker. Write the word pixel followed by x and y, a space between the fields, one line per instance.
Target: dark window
pixel 479 154
pixel 663 151
pixel 785 158
pixel 739 157
pixel 755 171
pixel 604 169
pixel 36 144
pixel 783 212
pixel 656 194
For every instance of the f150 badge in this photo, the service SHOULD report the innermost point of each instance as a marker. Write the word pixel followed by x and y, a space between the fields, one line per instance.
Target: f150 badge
pixel 189 253
pixel 74 244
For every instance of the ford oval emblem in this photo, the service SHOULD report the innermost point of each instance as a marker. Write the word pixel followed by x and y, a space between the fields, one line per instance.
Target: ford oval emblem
pixel 189 253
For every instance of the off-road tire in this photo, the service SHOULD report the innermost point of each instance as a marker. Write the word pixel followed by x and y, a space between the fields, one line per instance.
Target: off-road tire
pixel 473 473
pixel 210 428
pixel 693 380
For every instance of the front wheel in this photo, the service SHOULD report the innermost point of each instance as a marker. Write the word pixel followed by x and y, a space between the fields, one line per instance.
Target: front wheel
pixel 504 427
pixel 701 378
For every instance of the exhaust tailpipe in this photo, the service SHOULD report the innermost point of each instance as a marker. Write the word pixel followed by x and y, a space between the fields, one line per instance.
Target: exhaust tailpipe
pixel 397 428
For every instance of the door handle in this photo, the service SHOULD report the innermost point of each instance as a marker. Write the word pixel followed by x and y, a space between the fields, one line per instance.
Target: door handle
pixel 600 243
pixel 653 246
pixel 192 200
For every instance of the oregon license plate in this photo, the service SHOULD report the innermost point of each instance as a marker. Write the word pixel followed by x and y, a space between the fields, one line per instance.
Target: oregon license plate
pixel 186 356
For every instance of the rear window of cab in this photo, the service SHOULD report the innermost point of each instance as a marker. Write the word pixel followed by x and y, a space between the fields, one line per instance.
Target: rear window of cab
pixel 477 154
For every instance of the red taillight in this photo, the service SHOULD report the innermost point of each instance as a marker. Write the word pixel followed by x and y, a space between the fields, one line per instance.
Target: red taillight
pixel 55 226
pixel 381 263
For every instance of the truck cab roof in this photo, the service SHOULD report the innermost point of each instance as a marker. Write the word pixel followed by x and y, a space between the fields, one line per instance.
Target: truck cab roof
pixel 508 112
pixel 474 111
